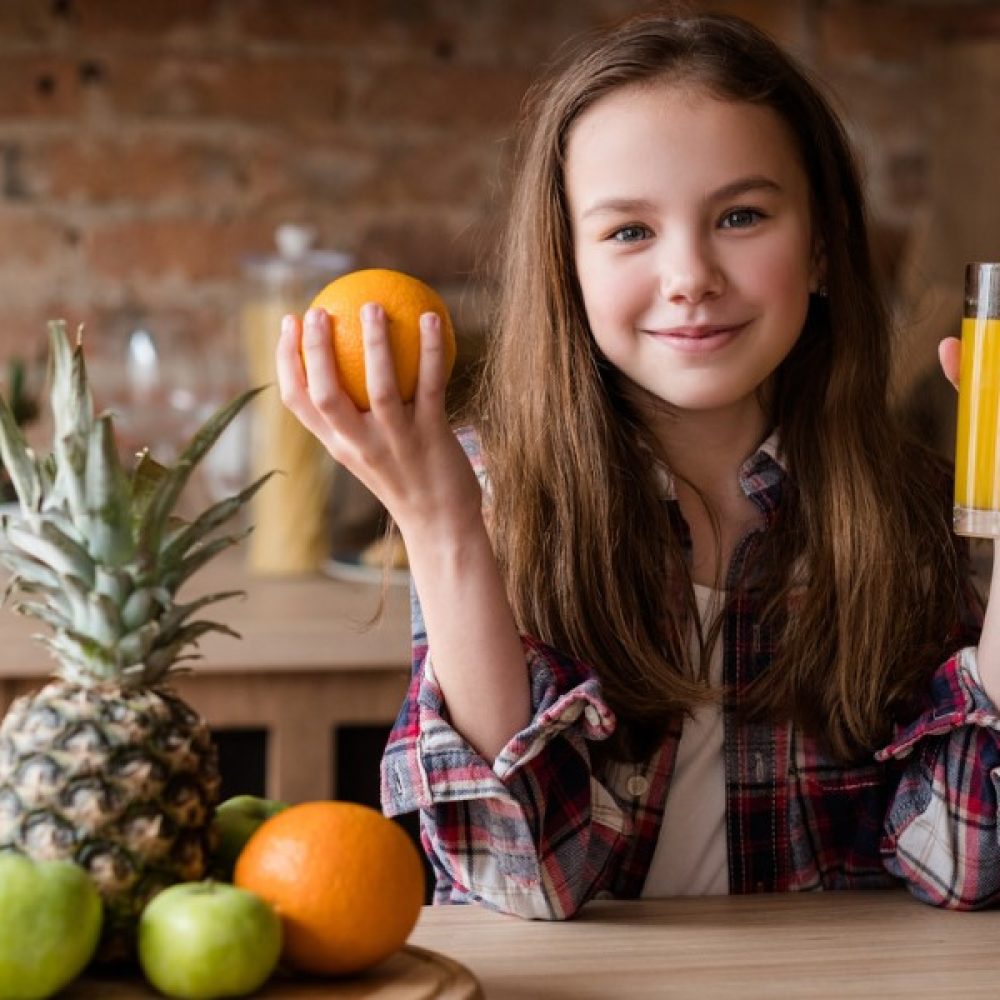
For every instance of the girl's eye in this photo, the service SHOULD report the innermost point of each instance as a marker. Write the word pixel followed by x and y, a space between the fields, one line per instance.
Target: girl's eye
pixel 741 218
pixel 630 234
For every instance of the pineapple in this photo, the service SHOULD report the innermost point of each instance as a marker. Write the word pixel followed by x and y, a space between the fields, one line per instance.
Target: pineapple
pixel 105 764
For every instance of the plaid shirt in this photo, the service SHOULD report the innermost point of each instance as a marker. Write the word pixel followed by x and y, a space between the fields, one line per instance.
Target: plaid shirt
pixel 544 829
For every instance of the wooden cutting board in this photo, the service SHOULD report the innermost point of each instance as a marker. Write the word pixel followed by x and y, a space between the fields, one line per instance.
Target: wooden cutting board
pixel 411 974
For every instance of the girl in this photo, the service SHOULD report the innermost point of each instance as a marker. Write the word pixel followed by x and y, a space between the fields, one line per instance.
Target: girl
pixel 713 632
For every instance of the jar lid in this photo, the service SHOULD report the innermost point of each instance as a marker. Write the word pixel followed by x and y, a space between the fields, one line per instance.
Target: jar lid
pixel 296 260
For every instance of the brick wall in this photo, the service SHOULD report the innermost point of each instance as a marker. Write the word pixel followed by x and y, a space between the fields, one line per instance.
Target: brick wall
pixel 146 146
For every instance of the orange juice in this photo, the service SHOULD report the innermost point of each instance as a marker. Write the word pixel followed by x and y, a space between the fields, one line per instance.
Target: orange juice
pixel 977 446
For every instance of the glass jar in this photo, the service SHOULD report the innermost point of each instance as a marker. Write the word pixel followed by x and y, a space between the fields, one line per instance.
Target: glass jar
pixel 289 513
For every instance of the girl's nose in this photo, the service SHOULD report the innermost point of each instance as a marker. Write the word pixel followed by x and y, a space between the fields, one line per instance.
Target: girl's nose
pixel 689 271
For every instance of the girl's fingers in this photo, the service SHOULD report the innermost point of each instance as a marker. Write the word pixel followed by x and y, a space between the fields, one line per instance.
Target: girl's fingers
pixel 950 356
pixel 292 374
pixel 431 376
pixel 307 378
pixel 321 369
pixel 380 372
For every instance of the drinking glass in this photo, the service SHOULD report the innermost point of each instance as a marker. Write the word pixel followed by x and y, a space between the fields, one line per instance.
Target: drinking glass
pixel 977 447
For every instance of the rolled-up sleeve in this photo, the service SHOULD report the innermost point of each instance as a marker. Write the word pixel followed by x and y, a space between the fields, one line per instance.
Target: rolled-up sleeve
pixel 530 833
pixel 941 831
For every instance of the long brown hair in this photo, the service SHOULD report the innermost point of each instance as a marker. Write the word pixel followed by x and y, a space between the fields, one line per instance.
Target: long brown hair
pixel 594 562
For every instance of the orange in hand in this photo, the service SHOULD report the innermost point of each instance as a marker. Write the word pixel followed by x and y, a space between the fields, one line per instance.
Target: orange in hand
pixel 403 298
pixel 347 883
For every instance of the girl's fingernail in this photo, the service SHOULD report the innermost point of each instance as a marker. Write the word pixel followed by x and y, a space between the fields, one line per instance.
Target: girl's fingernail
pixel 287 325
pixel 371 311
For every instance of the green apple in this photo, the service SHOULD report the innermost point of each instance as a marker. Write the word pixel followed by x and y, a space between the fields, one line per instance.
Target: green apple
pixel 235 820
pixel 199 940
pixel 50 923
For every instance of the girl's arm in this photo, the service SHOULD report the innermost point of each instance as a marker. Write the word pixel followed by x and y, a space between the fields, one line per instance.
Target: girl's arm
pixel 474 646
pixel 407 455
pixel 989 641
pixel 988 658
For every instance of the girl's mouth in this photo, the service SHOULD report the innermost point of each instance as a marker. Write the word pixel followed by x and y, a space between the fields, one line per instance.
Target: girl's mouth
pixel 699 339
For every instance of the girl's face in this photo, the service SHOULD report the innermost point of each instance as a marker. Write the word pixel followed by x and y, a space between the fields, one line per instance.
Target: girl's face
pixel 692 239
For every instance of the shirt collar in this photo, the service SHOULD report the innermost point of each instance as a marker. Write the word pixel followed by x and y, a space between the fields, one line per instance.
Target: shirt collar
pixel 760 475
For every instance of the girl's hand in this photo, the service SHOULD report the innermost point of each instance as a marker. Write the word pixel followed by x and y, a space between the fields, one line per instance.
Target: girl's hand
pixel 950 356
pixel 405 453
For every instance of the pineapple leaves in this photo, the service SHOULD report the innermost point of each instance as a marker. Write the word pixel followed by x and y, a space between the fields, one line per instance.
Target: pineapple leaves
pixel 72 417
pixel 28 576
pixel 160 659
pixel 109 531
pixel 19 461
pixel 146 478
pixel 81 659
pixel 175 617
pixel 175 576
pixel 72 404
pixel 135 647
pixel 140 607
pixel 47 471
pixel 178 544
pixel 51 547
pixel 58 476
pixel 116 583
pixel 43 613
pixel 168 490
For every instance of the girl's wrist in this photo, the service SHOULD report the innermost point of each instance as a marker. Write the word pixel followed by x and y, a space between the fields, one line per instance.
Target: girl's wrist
pixel 440 523
pixel 450 540
pixel 451 559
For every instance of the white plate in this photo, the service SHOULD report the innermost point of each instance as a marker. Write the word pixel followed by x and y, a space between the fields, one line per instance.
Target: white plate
pixel 347 566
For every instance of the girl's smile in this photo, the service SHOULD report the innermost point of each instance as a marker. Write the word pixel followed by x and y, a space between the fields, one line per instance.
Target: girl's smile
pixel 695 339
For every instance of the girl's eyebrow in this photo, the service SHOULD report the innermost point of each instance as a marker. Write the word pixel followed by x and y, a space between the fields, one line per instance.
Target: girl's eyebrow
pixel 618 205
pixel 625 206
pixel 757 182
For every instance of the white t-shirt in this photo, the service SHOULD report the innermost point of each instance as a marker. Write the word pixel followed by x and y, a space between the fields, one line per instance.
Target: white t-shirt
pixel 691 858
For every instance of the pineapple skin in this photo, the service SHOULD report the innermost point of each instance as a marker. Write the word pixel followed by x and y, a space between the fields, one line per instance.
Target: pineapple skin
pixel 123 782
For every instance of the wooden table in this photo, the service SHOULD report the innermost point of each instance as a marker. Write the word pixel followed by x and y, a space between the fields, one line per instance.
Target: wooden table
pixel 801 945
pixel 837 944
pixel 305 665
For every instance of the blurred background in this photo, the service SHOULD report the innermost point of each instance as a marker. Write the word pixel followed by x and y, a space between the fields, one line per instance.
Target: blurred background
pixel 149 153
pixel 174 174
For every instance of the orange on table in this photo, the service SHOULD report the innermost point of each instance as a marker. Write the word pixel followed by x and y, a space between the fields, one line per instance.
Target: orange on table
pixel 403 298
pixel 347 883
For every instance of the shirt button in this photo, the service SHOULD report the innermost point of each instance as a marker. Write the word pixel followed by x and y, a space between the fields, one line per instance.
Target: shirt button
pixel 637 785
pixel 591 714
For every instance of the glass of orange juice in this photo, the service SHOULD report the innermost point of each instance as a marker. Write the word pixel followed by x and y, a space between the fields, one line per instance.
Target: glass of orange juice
pixel 977 447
